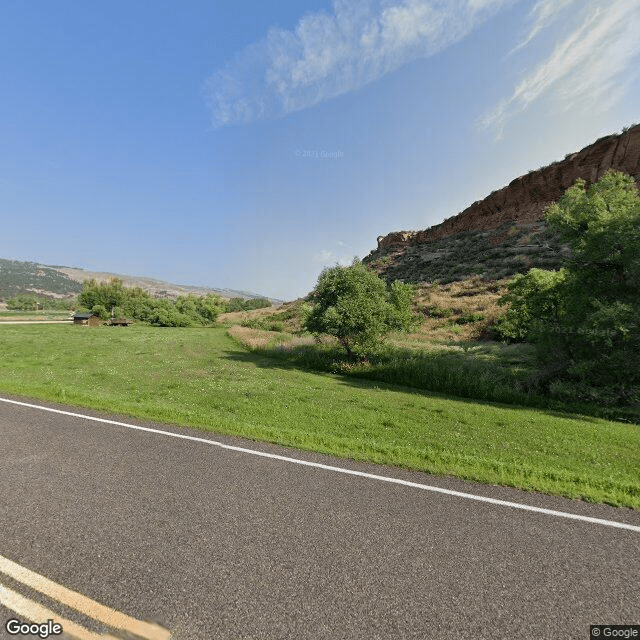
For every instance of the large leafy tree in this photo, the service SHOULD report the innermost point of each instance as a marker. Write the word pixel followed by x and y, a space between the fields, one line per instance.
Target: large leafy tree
pixel 102 294
pixel 358 308
pixel 585 318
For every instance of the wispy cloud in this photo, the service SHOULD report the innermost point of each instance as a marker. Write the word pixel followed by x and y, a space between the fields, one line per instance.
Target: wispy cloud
pixel 544 13
pixel 330 54
pixel 589 67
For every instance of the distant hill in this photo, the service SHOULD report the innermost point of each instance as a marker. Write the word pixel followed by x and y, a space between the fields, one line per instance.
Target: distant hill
pixel 505 233
pixel 18 278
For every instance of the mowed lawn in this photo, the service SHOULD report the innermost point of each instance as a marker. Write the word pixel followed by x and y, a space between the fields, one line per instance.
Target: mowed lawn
pixel 202 378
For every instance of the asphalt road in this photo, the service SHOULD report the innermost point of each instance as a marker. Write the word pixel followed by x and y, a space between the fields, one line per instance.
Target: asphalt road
pixel 215 543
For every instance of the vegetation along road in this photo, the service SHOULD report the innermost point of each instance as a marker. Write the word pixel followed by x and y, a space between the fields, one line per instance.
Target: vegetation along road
pixel 200 377
pixel 200 538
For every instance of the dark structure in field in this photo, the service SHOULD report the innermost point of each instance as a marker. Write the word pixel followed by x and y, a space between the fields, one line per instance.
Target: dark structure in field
pixel 119 322
pixel 87 319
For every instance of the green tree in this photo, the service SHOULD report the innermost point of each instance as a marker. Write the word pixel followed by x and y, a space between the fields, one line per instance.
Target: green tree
pixel 585 318
pixel 255 303
pixel 22 303
pixel 30 303
pixel 133 302
pixel 201 309
pixel 107 294
pixel 536 305
pixel 100 310
pixel 355 306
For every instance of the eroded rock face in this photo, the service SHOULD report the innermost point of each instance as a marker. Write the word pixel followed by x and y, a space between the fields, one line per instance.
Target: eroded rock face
pixel 526 198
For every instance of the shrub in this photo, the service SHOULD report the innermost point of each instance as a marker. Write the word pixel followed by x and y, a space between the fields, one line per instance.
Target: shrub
pixel 133 302
pixel 31 303
pixel 470 316
pixel 239 304
pixel 439 312
pixel 100 310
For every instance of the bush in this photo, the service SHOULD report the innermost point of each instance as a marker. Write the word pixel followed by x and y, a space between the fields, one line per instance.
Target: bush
pixel 100 310
pixel 535 299
pixel 469 317
pixel 239 304
pixel 33 303
pixel 440 312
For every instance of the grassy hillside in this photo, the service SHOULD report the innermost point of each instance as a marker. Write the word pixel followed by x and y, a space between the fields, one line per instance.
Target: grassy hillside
pixel 20 278
pixel 494 254
pixel 203 378
pixel 17 278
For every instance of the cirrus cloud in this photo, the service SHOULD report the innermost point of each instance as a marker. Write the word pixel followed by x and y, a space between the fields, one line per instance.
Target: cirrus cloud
pixel 591 64
pixel 327 55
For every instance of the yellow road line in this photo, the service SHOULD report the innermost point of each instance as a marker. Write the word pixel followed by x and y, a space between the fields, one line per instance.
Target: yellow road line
pixel 81 603
pixel 37 613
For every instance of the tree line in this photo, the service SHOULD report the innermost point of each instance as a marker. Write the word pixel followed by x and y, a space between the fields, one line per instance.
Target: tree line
pixel 26 302
pixel 113 299
pixel 585 318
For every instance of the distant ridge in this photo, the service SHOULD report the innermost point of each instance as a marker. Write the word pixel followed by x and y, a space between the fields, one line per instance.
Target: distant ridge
pixel 18 278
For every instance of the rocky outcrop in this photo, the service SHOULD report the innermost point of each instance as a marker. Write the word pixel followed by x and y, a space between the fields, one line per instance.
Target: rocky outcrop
pixel 526 198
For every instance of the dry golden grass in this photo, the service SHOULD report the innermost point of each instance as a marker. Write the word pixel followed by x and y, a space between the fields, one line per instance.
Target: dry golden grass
pixel 241 316
pixel 259 338
pixel 252 338
pixel 467 296
pixel 288 314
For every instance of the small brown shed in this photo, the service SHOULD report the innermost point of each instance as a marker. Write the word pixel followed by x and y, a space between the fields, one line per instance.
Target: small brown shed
pixel 87 319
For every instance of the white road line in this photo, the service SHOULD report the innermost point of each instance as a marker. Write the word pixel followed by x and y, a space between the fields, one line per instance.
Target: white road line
pixel 317 465
pixel 81 603
pixel 37 613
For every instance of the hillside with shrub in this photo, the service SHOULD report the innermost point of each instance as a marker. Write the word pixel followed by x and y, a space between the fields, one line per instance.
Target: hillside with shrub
pixel 19 278
pixel 505 233
pixel 567 338
pixel 32 279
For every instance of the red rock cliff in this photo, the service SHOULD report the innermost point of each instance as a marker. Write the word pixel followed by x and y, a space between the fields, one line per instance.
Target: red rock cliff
pixel 526 198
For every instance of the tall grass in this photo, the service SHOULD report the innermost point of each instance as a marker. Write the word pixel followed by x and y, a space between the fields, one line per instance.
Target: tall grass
pixel 464 372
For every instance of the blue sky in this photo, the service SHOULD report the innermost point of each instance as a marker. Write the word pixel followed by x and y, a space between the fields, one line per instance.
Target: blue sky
pixel 247 145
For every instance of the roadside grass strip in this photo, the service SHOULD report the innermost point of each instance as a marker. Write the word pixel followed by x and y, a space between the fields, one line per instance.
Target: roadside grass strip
pixel 37 613
pixel 202 378
pixel 352 472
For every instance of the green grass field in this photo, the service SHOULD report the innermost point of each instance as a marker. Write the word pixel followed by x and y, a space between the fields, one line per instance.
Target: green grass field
pixel 202 378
